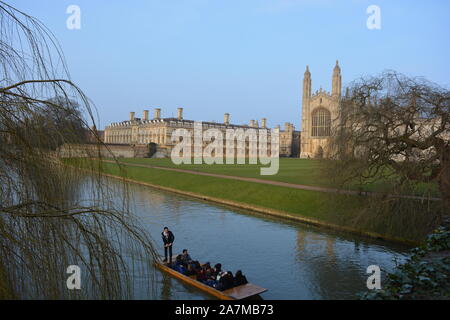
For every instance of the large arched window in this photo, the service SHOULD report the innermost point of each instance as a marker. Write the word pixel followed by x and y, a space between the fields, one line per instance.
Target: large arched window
pixel 321 122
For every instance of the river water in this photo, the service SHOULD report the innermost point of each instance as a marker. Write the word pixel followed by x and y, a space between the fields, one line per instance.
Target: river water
pixel 292 260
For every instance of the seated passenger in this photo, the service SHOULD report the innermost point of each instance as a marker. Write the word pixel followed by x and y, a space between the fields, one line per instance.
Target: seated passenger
pixel 196 266
pixel 217 269
pixel 178 265
pixel 229 280
pixel 179 260
pixel 211 283
pixel 239 279
pixel 220 285
pixel 185 257
pixel 181 269
pixel 209 273
pixel 220 275
pixel 190 271
pixel 225 281
pixel 201 275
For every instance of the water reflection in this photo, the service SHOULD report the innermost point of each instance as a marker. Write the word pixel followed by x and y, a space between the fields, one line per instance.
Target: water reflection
pixel 291 260
pixel 165 290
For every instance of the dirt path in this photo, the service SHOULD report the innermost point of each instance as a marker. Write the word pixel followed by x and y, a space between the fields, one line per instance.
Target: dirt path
pixel 270 182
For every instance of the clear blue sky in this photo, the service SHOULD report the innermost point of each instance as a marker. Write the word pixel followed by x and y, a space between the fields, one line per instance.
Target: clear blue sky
pixel 244 57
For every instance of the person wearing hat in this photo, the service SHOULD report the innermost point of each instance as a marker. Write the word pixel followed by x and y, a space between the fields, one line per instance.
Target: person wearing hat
pixel 168 239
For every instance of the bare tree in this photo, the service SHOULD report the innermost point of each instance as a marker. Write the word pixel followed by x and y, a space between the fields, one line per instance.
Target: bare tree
pixel 396 128
pixel 46 224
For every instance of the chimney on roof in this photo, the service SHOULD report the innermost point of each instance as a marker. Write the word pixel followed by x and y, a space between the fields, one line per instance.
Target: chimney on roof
pixel 252 123
pixel 264 123
pixel 180 113
pixel 131 116
pixel 226 118
pixel 145 117
pixel 157 114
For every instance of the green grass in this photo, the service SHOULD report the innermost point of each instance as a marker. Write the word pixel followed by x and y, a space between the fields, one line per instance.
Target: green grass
pixel 297 171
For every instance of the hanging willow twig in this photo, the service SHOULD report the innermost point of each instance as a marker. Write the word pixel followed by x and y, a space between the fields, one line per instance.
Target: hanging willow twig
pixel 46 221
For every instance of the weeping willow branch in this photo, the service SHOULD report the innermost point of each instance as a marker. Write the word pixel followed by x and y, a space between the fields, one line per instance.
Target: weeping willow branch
pixel 52 216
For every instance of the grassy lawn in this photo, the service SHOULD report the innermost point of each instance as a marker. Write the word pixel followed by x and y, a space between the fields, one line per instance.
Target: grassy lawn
pixel 306 203
pixel 292 170
pixel 298 171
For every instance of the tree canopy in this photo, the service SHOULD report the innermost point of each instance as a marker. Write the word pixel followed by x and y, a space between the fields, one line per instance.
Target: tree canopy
pixel 395 127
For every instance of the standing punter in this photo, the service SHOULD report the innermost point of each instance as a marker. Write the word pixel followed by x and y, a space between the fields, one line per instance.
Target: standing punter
pixel 168 239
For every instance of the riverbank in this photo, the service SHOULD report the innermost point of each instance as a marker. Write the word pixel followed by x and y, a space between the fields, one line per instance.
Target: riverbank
pixel 333 211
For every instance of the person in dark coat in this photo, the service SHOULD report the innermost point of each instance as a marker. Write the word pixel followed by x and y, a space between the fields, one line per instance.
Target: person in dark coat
pixel 191 270
pixel 201 275
pixel 226 281
pixel 217 269
pixel 229 280
pixel 185 257
pixel 239 279
pixel 168 239
pixel 179 260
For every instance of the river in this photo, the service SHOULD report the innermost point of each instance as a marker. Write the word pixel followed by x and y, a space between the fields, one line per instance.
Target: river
pixel 291 259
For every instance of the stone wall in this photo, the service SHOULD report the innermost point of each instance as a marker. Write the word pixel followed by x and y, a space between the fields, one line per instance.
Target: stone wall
pixel 106 151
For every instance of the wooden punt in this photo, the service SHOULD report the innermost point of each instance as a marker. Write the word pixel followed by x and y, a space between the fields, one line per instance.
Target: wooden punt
pixel 235 293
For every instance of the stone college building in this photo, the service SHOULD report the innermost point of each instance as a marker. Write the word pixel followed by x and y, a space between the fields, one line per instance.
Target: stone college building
pixel 319 111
